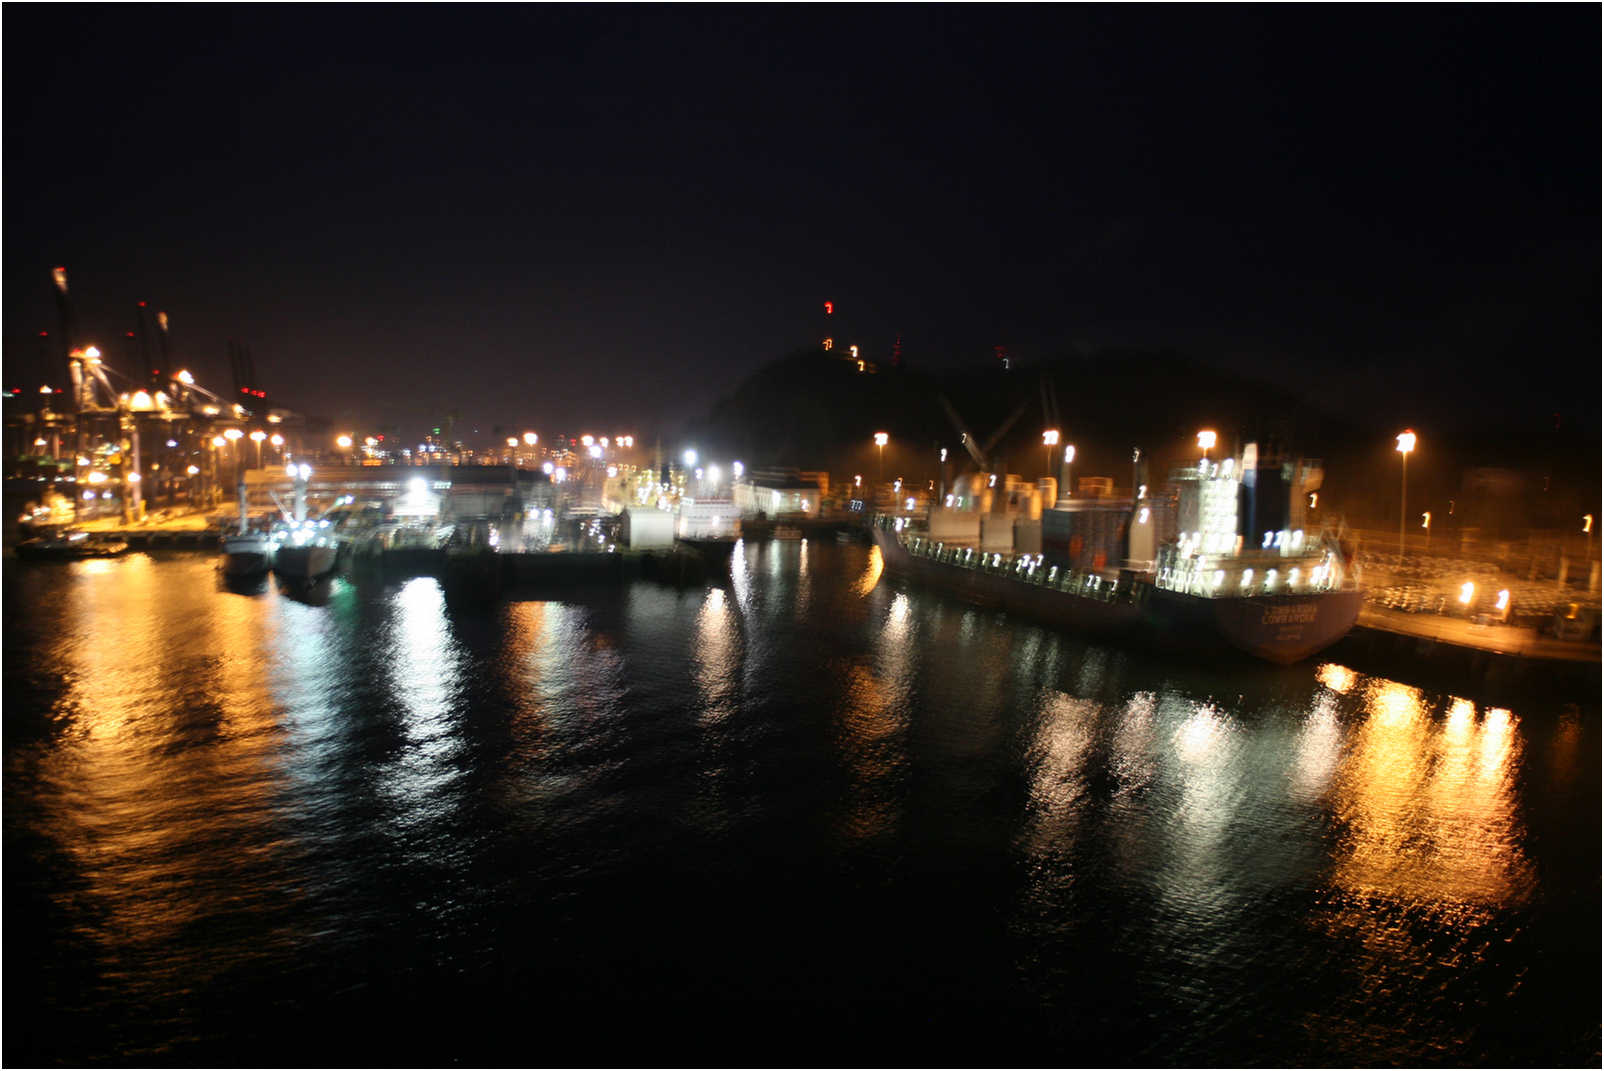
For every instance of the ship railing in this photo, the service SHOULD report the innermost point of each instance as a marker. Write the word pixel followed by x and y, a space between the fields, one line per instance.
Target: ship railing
pixel 1029 569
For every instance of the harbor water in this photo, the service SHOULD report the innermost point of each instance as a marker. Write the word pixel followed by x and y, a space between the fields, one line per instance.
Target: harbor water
pixel 806 815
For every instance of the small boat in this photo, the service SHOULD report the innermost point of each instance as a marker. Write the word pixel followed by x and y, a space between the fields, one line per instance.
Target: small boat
pixel 71 545
pixel 247 553
pixel 304 554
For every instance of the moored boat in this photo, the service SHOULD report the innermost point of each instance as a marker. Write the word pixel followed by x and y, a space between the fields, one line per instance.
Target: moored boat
pixel 1282 599
pixel 305 553
pixel 72 545
pixel 304 556
pixel 247 553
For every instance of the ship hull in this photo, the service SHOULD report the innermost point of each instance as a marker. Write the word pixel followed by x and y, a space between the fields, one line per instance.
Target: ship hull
pixel 304 563
pixel 1281 629
pixel 247 556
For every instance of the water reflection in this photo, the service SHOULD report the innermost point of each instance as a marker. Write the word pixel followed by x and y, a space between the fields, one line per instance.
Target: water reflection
pixel 154 804
pixel 873 566
pixel 212 791
pixel 877 701
pixel 717 657
pixel 1429 806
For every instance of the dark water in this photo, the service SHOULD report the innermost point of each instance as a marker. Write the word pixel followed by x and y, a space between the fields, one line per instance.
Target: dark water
pixel 802 818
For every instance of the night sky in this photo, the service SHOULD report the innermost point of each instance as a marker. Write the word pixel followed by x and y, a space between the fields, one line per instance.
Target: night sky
pixel 601 217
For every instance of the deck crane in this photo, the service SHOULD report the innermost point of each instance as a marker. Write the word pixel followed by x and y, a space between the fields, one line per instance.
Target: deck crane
pixel 981 454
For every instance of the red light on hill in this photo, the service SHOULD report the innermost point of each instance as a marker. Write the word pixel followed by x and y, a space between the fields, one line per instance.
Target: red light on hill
pixel 829 308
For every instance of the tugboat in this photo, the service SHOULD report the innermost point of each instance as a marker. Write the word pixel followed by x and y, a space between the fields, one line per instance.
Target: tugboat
pixel 305 554
pixel 247 553
pixel 1234 569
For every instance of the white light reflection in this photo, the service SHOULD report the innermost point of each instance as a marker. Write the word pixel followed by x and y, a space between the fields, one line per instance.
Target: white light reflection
pixel 1066 731
pixel 741 576
pixel 717 658
pixel 424 665
pixel 1319 749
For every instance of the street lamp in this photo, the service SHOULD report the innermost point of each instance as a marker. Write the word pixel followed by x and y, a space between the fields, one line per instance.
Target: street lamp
pixel 256 437
pixel 530 438
pixel 1069 460
pixel 1049 439
pixel 880 440
pixel 278 442
pixel 1406 443
pixel 1425 522
pixel 1205 442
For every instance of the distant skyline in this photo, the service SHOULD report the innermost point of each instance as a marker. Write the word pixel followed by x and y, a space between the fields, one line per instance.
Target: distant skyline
pixel 605 216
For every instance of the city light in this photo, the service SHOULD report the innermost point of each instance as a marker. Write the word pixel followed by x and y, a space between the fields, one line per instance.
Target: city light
pixel 343 442
pixel 219 442
pixel 530 438
pixel 690 459
pixel 1205 441
pixel 185 378
pixel 1467 591
pixel 233 435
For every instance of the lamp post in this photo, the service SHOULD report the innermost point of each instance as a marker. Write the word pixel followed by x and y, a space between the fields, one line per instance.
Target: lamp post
pixel 880 440
pixel 1069 471
pixel 256 437
pixel 1406 443
pixel 218 443
pixel 278 442
pixel 1425 522
pixel 1049 439
pixel 1587 533
pixel 1205 442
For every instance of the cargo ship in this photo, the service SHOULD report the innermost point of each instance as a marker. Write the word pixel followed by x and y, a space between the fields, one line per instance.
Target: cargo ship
pixel 1220 561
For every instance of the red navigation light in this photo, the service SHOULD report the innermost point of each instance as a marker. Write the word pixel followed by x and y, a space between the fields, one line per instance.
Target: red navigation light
pixel 44 334
pixel 829 308
pixel 130 334
pixel 381 438
pixel 141 304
